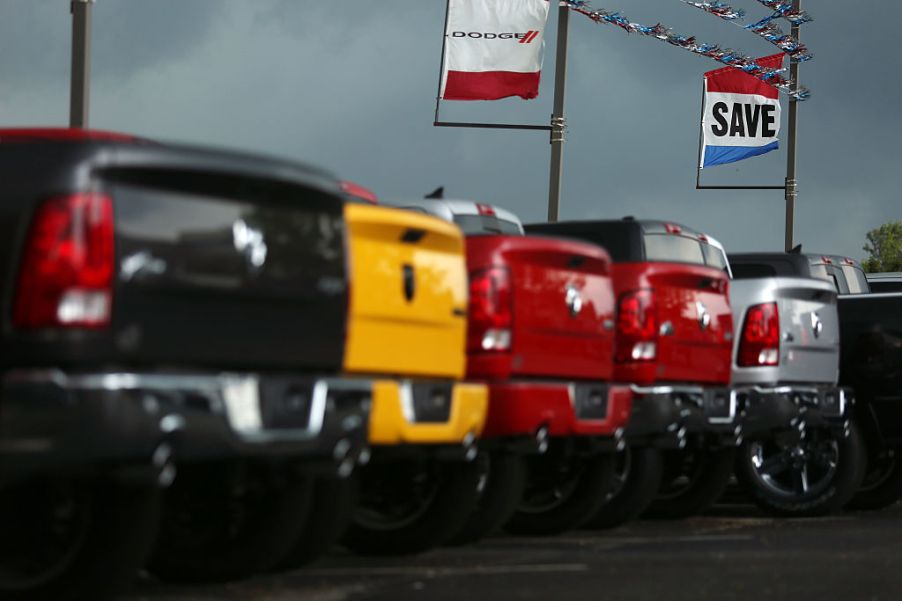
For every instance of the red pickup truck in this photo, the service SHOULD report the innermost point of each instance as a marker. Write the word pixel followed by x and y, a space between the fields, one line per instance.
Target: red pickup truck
pixel 673 343
pixel 541 335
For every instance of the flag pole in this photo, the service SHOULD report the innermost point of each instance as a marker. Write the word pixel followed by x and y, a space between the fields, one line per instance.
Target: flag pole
pixel 80 92
pixel 558 122
pixel 791 183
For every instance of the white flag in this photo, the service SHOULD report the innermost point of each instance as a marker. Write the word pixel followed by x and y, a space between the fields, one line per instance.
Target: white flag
pixel 493 49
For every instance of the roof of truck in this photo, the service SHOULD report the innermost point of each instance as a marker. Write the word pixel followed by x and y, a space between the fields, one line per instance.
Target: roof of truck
pixel 447 208
pixel 885 275
pixel 784 264
pixel 39 148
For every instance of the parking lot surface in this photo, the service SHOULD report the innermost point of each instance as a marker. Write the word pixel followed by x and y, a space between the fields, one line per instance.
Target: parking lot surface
pixel 733 553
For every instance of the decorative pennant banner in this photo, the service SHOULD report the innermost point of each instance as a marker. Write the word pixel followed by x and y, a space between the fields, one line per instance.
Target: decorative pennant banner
pixel 764 28
pixel 731 58
pixel 493 49
pixel 741 115
pixel 783 10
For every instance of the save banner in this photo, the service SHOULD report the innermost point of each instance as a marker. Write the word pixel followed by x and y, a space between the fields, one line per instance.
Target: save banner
pixel 493 49
pixel 741 117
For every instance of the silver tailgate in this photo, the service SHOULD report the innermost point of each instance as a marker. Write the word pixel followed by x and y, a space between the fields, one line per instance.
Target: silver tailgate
pixel 809 330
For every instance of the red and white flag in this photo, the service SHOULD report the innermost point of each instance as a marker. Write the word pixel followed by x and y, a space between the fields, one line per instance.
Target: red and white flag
pixel 493 49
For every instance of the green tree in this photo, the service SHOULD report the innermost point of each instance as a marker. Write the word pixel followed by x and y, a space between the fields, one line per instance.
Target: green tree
pixel 884 248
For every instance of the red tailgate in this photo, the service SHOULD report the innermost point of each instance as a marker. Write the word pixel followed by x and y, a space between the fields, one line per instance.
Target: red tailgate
pixel 562 308
pixel 692 318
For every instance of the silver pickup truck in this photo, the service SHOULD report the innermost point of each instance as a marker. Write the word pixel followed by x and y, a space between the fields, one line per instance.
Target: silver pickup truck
pixel 803 454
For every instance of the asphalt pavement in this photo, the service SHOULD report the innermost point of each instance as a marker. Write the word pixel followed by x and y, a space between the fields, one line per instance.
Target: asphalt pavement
pixel 735 553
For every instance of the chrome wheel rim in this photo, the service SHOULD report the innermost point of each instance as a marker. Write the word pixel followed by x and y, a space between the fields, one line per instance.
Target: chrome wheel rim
pixel 805 469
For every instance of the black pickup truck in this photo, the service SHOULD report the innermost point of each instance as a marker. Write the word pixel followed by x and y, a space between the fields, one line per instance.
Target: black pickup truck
pixel 164 309
pixel 870 363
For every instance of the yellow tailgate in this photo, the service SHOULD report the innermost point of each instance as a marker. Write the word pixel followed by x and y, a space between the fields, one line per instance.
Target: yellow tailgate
pixel 408 294
pixel 392 422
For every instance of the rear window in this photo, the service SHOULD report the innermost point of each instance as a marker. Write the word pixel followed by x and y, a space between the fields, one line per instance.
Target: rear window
pixel 486 224
pixel 751 271
pixel 885 285
pixel 714 257
pixel 855 278
pixel 673 248
pixel 819 271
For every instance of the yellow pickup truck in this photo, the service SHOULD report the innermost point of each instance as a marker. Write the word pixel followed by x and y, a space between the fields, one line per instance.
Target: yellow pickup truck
pixel 407 325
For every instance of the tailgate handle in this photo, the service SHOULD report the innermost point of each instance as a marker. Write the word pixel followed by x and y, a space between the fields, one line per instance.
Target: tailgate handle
pixel 458 312
pixel 575 261
pixel 412 235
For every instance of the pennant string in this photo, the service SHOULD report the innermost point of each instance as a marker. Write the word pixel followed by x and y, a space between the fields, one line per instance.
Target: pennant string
pixel 730 58
pixel 766 28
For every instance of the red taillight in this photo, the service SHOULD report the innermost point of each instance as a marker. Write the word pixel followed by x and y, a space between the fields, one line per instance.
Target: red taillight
pixel 484 209
pixel 491 310
pixel 637 327
pixel 673 228
pixel 760 344
pixel 66 274
pixel 359 192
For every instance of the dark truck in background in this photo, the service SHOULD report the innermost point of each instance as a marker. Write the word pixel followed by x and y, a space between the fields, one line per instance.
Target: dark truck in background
pixel 870 364
pixel 169 313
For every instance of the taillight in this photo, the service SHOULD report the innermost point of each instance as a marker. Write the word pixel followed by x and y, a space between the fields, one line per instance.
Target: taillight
pixel 491 310
pixel 760 344
pixel 66 274
pixel 358 192
pixel 637 327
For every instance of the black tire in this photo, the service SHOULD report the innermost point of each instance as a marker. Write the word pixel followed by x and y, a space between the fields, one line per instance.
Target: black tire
pixel 637 479
pixel 693 481
pixel 501 485
pixel 224 521
pixel 882 484
pixel 562 493
pixel 74 540
pixel 770 473
pixel 334 501
pixel 412 505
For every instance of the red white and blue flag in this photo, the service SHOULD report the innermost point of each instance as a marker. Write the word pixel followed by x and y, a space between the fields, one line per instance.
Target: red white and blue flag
pixel 493 49
pixel 741 117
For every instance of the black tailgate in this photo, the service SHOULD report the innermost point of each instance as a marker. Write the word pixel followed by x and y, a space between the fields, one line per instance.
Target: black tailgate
pixel 217 265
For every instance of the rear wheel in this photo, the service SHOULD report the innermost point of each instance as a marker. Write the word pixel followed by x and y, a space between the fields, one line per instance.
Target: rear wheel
pixel 74 539
pixel 813 476
pixel 225 521
pixel 411 505
pixel 334 501
pixel 562 492
pixel 637 479
pixel 502 480
pixel 693 481
pixel 882 485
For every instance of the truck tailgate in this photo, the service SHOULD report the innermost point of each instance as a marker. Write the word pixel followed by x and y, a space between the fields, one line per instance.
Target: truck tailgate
pixel 230 273
pixel 563 304
pixel 408 294
pixel 693 316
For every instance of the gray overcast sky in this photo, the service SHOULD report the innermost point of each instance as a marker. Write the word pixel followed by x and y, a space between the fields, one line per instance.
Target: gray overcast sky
pixel 350 85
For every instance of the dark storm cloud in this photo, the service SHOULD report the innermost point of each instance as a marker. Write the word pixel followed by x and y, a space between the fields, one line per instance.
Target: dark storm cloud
pixel 351 85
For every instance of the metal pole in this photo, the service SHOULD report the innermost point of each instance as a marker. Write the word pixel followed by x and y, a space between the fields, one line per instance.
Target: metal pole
pixel 441 68
pixel 81 62
pixel 558 122
pixel 791 183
